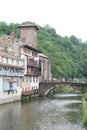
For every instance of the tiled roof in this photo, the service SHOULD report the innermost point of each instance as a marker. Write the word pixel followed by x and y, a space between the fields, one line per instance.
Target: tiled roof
pixel 3 53
pixel 5 39
pixel 29 47
pixel 10 80
pixel 28 25
pixel 42 55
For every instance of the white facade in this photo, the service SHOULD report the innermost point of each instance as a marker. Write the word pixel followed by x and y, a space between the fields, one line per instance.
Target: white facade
pixel 30 81
pixel 11 73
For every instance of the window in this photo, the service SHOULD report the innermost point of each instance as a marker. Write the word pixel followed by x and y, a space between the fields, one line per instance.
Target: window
pixel 34 54
pixel 5 48
pixel 17 82
pixel 17 62
pixel 26 79
pixel 12 60
pixel 0 58
pixel 6 60
pixel 33 79
pixel 23 79
pixel 30 79
pixel 0 68
pixel 10 86
pixel 36 79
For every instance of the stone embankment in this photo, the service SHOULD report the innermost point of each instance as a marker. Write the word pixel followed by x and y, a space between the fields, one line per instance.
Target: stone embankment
pixel 11 97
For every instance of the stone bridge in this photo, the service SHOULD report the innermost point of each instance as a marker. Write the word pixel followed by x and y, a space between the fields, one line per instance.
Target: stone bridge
pixel 45 88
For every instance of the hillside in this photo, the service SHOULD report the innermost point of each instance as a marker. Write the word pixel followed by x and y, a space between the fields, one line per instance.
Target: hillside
pixel 68 56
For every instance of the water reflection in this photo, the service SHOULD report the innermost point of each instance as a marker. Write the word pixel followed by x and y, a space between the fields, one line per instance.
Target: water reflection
pixel 46 114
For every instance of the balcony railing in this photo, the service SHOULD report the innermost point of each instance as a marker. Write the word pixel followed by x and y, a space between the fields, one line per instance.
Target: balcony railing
pixel 28 92
pixel 35 64
pixel 33 73
pixel 8 73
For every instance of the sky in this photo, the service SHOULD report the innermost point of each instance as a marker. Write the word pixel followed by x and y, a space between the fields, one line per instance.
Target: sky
pixel 67 17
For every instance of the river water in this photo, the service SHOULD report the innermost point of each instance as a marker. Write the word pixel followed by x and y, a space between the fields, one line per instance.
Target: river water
pixel 63 112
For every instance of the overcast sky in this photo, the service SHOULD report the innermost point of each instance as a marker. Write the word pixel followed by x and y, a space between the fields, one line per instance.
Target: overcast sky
pixel 68 17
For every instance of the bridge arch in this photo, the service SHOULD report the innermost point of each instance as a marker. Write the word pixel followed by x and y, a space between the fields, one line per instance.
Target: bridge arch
pixel 48 87
pixel 48 91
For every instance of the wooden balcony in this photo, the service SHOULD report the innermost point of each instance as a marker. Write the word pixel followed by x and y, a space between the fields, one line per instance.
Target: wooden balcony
pixel 34 64
pixel 33 73
pixel 30 92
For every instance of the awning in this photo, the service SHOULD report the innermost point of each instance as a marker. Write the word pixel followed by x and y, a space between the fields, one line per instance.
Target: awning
pixel 10 80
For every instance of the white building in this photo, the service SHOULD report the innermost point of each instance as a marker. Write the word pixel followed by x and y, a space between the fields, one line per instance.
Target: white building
pixel 11 73
pixel 30 82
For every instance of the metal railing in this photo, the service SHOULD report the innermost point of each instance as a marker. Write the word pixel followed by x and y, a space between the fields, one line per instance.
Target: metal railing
pixel 10 73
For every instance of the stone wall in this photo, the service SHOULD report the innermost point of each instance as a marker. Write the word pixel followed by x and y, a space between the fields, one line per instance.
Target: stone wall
pixel 29 35
pixel 10 99
pixel 45 69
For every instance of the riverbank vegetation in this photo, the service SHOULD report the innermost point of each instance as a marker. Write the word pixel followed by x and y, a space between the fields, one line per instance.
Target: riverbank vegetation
pixel 84 120
pixel 67 89
pixel 68 55
pixel 85 96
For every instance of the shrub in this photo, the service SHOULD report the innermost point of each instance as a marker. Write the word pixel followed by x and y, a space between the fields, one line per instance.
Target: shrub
pixel 84 113
pixel 85 96
pixel 58 90
pixel 68 89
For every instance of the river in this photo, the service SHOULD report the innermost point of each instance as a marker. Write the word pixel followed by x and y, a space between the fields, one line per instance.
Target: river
pixel 63 112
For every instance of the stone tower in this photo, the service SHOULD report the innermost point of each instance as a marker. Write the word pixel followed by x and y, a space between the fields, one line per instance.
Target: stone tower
pixel 28 34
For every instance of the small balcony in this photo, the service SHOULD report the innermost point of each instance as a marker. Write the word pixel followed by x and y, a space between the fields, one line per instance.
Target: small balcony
pixel 30 92
pixel 34 73
pixel 9 73
pixel 34 64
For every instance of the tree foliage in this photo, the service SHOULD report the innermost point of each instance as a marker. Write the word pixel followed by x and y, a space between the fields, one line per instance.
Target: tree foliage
pixel 68 56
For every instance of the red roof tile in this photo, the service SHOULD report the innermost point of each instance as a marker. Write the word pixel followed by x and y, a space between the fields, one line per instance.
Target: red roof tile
pixel 3 53
pixel 10 80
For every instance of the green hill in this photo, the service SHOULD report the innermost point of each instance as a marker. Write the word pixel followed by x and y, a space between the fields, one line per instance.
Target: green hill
pixel 68 56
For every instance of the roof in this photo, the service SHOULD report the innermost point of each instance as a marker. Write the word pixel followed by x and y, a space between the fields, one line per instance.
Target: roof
pixel 28 25
pixel 29 47
pixel 10 80
pixel 5 40
pixel 3 53
pixel 42 55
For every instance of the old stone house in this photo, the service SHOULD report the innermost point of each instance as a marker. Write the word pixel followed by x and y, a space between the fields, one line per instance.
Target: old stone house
pixel 37 65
